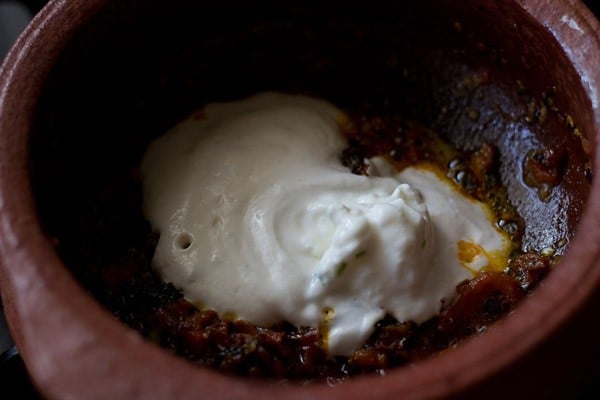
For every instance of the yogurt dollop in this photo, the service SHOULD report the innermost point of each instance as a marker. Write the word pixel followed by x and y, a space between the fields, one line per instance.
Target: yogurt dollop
pixel 258 217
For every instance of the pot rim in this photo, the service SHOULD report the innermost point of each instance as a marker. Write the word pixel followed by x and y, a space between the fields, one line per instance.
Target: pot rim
pixel 30 265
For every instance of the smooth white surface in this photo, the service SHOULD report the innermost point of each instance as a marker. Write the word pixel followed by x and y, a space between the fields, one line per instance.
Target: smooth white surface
pixel 258 217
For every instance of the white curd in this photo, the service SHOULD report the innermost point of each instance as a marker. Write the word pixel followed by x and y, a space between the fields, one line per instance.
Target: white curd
pixel 258 217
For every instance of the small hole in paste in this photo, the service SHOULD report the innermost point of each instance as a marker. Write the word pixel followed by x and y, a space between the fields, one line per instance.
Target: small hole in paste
pixel 183 241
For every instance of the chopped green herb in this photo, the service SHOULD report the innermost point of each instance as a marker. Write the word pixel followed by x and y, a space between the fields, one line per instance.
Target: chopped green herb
pixel 570 122
pixel 360 254
pixel 341 269
pixel 319 277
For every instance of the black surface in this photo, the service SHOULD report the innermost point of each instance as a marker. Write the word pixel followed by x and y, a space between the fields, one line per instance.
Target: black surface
pixel 14 379
pixel 15 382
pixel 593 5
pixel 33 5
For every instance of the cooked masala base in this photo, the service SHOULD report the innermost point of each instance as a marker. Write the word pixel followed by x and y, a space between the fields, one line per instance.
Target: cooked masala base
pixel 138 297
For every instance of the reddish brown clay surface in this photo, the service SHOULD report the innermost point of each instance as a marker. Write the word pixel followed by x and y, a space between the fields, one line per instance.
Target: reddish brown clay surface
pixel 73 348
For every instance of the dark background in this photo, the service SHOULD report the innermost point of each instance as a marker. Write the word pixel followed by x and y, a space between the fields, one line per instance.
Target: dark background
pixel 14 382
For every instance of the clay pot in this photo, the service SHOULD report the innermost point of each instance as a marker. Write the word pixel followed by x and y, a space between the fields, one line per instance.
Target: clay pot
pixel 91 82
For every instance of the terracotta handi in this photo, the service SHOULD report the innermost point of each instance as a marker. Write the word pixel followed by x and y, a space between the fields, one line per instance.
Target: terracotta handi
pixel 91 83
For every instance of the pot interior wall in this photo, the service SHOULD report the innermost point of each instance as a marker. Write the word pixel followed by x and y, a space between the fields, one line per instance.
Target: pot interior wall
pixel 470 73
